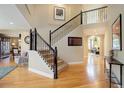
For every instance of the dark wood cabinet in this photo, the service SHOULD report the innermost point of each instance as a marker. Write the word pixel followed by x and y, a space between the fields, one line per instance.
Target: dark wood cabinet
pixel 4 46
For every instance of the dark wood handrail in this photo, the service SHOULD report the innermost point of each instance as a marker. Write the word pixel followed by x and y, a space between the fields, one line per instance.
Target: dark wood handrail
pixel 94 9
pixel 45 41
pixel 54 51
pixel 65 23
pixel 76 17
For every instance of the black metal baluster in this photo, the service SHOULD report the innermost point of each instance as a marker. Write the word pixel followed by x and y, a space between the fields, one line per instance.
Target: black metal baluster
pixel 30 39
pixel 50 37
pixel 35 39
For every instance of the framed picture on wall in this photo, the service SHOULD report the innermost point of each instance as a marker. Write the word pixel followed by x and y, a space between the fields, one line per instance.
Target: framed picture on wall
pixel 74 41
pixel 59 13
pixel 117 33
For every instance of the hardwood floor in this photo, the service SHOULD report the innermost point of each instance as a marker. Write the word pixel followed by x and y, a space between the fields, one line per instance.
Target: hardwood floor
pixel 89 74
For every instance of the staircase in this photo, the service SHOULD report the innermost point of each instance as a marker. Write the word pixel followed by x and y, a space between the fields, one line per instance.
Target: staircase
pixel 47 53
pixel 48 57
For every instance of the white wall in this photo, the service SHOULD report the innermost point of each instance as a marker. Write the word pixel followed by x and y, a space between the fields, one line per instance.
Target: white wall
pixel 95 30
pixel 113 13
pixel 24 47
pixel 48 22
pixel 70 54
pixel 74 54
pixel 42 16
pixel 38 65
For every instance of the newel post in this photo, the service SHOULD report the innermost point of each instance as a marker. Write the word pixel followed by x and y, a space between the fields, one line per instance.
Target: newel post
pixel 55 64
pixel 81 17
pixel 35 30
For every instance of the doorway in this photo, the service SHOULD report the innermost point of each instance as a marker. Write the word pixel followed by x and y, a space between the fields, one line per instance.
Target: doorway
pixel 94 45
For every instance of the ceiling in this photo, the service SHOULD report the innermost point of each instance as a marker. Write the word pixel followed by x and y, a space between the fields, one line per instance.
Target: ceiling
pixel 11 18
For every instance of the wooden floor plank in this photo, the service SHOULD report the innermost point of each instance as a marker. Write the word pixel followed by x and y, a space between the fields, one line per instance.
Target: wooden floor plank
pixel 88 74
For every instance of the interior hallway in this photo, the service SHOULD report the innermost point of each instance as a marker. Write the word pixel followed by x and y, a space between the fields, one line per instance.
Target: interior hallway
pixel 88 74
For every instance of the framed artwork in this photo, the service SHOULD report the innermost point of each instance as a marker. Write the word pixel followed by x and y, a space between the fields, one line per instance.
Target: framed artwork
pixel 74 41
pixel 59 13
pixel 117 34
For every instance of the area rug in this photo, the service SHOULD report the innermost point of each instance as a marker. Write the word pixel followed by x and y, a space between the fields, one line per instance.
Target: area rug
pixel 5 70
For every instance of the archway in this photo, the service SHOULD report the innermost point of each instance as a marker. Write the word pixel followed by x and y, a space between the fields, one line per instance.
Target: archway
pixel 94 45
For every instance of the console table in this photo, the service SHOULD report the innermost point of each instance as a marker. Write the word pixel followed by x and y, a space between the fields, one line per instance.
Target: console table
pixel 111 61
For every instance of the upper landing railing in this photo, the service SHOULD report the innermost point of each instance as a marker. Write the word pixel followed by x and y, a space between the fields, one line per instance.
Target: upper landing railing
pixel 97 15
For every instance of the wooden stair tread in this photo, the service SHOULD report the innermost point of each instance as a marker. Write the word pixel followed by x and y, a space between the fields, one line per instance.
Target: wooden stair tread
pixel 48 57
pixel 44 51
pixel 62 67
pixel 47 54
pixel 58 61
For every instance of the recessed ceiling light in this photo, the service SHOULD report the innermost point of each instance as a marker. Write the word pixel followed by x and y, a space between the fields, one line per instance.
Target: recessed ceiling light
pixel 11 23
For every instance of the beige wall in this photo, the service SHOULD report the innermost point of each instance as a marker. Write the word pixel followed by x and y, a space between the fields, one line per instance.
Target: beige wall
pixel 51 20
pixel 91 6
pixel 102 45
pixel 97 30
pixel 113 13
pixel 85 44
pixel 24 47
pixel 71 54
pixel 42 15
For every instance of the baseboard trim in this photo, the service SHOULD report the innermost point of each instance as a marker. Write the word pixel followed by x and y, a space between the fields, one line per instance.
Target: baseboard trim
pixel 78 62
pixel 41 73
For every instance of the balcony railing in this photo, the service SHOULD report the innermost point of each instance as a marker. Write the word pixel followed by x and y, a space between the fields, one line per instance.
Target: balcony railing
pixel 98 15
pixel 94 16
